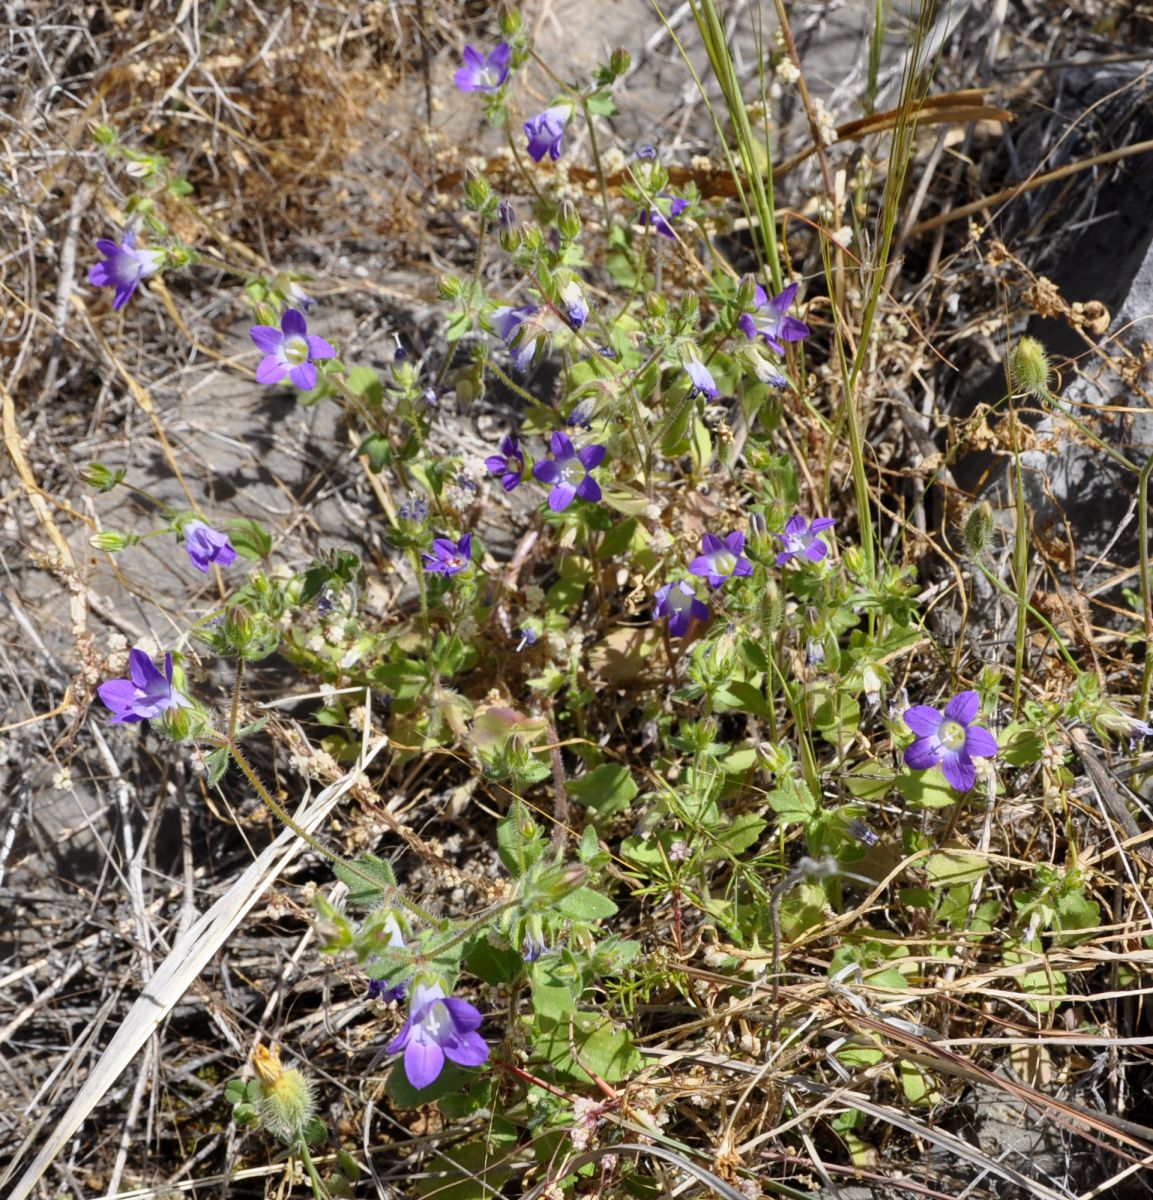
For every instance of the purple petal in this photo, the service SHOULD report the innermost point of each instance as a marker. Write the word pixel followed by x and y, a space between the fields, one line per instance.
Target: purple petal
pixel 710 544
pixel 472 58
pixel 743 567
pixel 304 376
pixel 924 753
pixel 760 296
pixel 143 671
pixel 963 707
pixel 501 57
pixel 592 456
pixel 792 330
pixel 319 348
pixel 118 695
pixel 464 549
pixel 468 1050
pixel 959 770
pixel 781 302
pixel 796 524
pixel 980 743
pixel 747 326
pixel 293 323
pixel 784 557
pixel 815 551
pixel 267 338
pixel 735 542
pixel 699 609
pixel 820 524
pixel 465 1017
pixel 401 1040
pixel 561 496
pixel 702 565
pixel 560 446
pixel 123 294
pixel 588 489
pixel 99 275
pixel 495 464
pixel 547 471
pixel 923 720
pixel 423 1062
pixel 271 369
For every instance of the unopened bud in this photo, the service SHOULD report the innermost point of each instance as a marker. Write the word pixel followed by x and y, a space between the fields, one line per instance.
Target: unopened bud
pixel 772 606
pixel 747 294
pixel 477 193
pixel 569 222
pixel 655 304
pixel 977 532
pixel 619 62
pixel 112 540
pixel 509 21
pixel 102 478
pixel 1029 367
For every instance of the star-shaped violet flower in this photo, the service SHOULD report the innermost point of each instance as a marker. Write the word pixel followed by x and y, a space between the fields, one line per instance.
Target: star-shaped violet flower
pixel 448 557
pixel 289 351
pixel 480 74
pixel 567 472
pixel 146 693
pixel 949 739
pixel 678 601
pixel 206 545
pixel 438 1027
pixel 659 221
pixel 771 320
pixel 801 539
pixel 123 267
pixel 508 464
pixel 545 130
pixel 720 560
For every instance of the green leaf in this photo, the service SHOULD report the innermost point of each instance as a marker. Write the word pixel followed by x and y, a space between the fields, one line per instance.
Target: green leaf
pixel 600 1047
pixel 495 965
pixel 743 697
pixel 728 842
pixel 607 789
pixel 926 789
pixel 586 905
pixel 365 382
pixel 216 762
pixel 378 450
pixel 361 891
pixel 619 539
pixel 472 1171
pixel 952 867
pixel 249 538
pixel 792 802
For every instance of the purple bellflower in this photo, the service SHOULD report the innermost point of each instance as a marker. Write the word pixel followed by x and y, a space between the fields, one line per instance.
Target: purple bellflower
pixel 289 351
pixel 659 221
pixel 702 377
pixel 447 557
pixel 575 303
pixel 545 131
pixel 801 539
pixel 567 472
pixel 507 321
pixel 123 267
pixel 378 989
pixel 774 325
pixel 508 464
pixel 720 560
pixel 438 1027
pixel 146 693
pixel 480 74
pixel 949 739
pixel 678 601
pixel 206 545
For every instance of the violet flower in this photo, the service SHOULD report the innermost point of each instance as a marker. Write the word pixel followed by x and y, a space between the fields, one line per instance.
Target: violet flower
pixel 721 560
pixel 775 327
pixel 545 130
pixel 949 739
pixel 447 557
pixel 659 221
pixel 206 545
pixel 507 321
pixel 480 74
pixel 703 381
pixel 508 464
pixel 567 472
pixel 289 351
pixel 123 267
pixel 146 693
pixel 800 538
pixel 378 989
pixel 438 1027
pixel 678 601
pixel 576 304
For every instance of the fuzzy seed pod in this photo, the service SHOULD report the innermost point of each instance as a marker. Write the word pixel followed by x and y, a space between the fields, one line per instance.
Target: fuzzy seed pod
pixel 287 1105
pixel 1029 367
pixel 977 531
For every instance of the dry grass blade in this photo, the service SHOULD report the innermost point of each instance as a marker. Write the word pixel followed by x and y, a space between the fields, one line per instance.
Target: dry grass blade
pixel 175 976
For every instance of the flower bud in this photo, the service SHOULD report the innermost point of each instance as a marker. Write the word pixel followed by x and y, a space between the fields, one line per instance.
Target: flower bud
pixel 238 624
pixel 977 532
pixel 287 1106
pixel 509 231
pixel 103 135
pixel 102 478
pixel 509 21
pixel 477 193
pixel 772 607
pixel 747 294
pixel 569 222
pixel 656 305
pixel 1029 367
pixel 449 287
pixel 112 540
pixel 619 62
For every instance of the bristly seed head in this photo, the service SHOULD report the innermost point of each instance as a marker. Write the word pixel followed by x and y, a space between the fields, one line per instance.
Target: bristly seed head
pixel 977 531
pixel 1029 367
